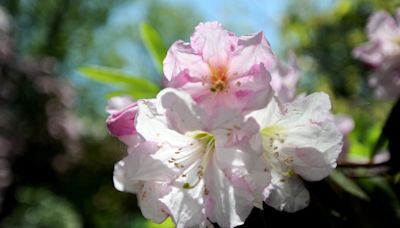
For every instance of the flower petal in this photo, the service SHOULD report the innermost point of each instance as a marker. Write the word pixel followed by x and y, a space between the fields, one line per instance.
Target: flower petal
pixel 213 42
pixel 149 201
pixel 182 113
pixel 228 205
pixel 251 50
pixel 185 206
pixel 182 61
pixel 141 166
pixel 253 91
pixel 152 125
pixel 123 122
pixel 287 194
pixel 311 164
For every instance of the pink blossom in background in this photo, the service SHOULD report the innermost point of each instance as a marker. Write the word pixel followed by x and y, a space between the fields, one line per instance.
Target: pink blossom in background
pixel 382 51
pixel 384 39
pixel 386 79
pixel 218 68
pixel 284 79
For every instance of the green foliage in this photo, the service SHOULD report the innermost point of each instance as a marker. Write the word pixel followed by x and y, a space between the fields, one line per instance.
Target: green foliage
pixel 154 44
pixel 348 185
pixel 41 208
pixel 134 86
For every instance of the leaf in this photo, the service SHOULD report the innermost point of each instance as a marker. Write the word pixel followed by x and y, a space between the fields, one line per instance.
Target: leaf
pixel 136 87
pixel 154 44
pixel 166 224
pixel 348 185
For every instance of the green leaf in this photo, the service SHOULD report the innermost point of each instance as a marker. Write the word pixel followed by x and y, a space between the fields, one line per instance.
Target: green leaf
pixel 348 185
pixel 136 87
pixel 166 224
pixel 154 44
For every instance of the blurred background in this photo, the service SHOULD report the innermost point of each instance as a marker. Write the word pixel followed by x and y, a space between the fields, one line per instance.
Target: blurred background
pixel 56 157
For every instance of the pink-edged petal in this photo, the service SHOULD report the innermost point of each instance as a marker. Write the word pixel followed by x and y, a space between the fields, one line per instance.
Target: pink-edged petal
pixel 251 50
pixel 213 43
pixel 185 206
pixel 287 194
pixel 253 91
pixel 149 201
pixel 182 61
pixel 227 204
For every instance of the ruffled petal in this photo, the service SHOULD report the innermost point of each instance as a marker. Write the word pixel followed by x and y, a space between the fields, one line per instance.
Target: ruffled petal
pixel 313 108
pixel 182 62
pixel 252 91
pixel 251 50
pixel 213 43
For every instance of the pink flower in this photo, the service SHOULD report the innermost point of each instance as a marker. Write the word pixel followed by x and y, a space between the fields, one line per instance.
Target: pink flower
pixel 383 52
pixel 219 69
pixel 384 39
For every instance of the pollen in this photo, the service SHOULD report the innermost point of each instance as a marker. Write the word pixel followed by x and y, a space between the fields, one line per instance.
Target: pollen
pixel 218 80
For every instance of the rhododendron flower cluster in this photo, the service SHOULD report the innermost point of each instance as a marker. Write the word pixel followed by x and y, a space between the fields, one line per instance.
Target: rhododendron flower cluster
pixel 223 137
pixel 382 52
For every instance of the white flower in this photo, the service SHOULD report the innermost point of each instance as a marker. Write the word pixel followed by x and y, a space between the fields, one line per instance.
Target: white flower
pixel 201 167
pixel 298 140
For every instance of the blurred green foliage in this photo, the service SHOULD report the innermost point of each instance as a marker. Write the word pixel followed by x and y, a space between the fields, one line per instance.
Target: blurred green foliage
pixel 41 208
pixel 133 86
